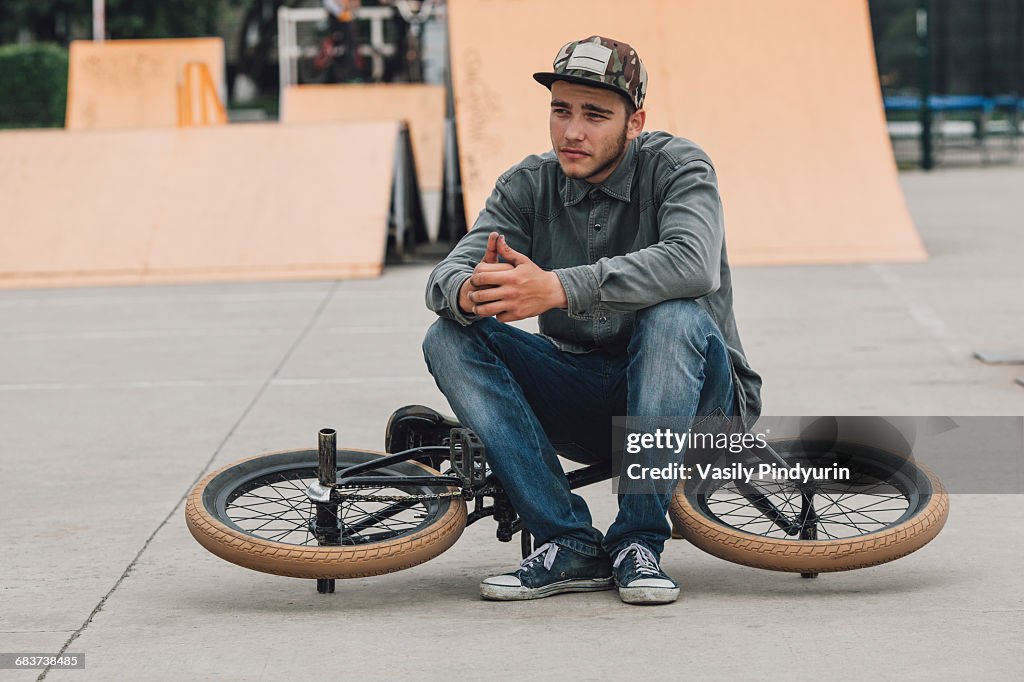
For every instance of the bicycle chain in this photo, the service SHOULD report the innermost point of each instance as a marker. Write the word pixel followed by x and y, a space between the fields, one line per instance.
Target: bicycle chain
pixel 405 498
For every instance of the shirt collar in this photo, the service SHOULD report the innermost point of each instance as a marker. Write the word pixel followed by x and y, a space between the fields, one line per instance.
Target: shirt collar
pixel 617 185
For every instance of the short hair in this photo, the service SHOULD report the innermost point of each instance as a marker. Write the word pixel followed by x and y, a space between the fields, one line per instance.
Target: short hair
pixel 630 107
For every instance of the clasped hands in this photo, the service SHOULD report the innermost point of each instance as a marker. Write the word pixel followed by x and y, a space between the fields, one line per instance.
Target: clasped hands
pixel 509 291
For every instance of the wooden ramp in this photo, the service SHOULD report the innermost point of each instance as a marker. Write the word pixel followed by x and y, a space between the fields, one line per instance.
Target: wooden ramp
pixel 144 83
pixel 245 202
pixel 783 95
pixel 422 106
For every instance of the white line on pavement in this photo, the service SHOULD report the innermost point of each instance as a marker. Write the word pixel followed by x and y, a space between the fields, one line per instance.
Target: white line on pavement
pixel 199 383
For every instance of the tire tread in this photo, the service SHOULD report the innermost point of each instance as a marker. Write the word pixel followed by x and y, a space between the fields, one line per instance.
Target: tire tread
pixel 317 561
pixel 820 556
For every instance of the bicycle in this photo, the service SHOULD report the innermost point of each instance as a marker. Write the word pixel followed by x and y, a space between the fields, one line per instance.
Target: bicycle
pixel 327 514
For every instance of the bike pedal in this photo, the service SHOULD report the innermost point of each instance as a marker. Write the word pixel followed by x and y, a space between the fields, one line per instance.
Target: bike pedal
pixel 468 457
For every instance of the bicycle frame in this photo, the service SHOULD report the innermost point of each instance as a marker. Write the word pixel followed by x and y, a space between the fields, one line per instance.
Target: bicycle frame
pixel 414 512
pixel 466 455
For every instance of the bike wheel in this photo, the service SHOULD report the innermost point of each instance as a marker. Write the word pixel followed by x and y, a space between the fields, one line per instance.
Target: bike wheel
pixel 255 513
pixel 888 508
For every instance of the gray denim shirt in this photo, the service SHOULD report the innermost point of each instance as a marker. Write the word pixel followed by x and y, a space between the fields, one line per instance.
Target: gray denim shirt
pixel 651 232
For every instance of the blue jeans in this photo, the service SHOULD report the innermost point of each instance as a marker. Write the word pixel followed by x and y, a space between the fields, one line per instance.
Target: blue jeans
pixel 522 396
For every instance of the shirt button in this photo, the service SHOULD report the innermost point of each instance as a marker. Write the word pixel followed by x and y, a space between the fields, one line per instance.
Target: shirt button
pixel 597 227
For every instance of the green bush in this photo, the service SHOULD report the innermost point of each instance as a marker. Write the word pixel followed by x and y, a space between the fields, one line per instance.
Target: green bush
pixel 33 85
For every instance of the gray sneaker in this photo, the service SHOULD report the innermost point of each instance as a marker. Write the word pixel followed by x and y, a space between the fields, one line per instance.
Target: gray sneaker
pixel 551 569
pixel 640 579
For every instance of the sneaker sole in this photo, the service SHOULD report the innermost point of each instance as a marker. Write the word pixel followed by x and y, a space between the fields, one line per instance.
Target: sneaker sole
pixel 507 593
pixel 648 595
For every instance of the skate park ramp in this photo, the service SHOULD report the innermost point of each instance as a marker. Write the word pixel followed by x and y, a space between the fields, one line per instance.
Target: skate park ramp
pixel 784 97
pixel 420 105
pixel 135 83
pixel 243 202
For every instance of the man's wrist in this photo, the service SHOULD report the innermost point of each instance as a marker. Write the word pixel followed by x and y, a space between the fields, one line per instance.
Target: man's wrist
pixel 463 297
pixel 558 297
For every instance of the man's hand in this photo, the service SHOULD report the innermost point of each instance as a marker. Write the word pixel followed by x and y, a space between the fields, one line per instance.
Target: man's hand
pixel 515 291
pixel 488 264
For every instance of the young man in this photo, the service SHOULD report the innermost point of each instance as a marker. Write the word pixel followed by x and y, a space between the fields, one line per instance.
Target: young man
pixel 615 239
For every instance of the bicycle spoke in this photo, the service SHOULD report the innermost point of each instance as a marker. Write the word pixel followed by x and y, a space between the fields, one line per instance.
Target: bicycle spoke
pixel 278 509
pixel 861 505
pixel 822 512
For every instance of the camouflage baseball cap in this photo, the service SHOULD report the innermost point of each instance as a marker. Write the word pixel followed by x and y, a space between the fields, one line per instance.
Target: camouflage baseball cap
pixel 600 62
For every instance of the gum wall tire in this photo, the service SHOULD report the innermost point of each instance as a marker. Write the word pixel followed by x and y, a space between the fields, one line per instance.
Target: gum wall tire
pixel 315 561
pixel 817 556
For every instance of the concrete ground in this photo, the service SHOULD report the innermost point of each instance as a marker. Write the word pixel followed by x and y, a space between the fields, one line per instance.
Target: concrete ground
pixel 115 401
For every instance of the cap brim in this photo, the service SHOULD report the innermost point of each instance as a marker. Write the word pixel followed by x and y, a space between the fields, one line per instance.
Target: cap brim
pixel 546 78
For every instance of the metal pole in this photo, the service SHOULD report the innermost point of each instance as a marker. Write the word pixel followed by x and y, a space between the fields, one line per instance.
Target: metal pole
pixel 328 458
pixel 925 65
pixel 987 77
pixel 1017 88
pixel 1017 60
pixel 284 59
pixel 327 527
pixel 99 20
pixel 399 194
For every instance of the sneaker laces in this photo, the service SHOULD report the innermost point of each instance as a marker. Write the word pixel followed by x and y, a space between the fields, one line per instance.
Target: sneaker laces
pixel 548 549
pixel 646 562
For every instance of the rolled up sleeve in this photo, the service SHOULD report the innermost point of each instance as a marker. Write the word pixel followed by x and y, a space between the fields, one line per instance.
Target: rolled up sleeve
pixel 500 214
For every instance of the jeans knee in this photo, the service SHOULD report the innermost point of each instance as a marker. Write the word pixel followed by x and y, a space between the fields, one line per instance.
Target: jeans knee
pixel 441 339
pixel 446 340
pixel 676 319
pixel 679 361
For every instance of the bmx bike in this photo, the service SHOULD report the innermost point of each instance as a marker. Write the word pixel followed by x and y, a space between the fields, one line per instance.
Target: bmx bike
pixel 327 514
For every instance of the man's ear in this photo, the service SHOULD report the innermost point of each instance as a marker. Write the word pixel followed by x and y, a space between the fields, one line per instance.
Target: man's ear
pixel 635 124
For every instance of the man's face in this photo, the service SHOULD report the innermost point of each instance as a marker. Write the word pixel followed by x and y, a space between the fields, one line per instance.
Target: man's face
pixel 590 130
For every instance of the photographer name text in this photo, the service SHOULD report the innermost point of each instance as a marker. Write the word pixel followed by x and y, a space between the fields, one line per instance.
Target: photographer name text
pixel 738 472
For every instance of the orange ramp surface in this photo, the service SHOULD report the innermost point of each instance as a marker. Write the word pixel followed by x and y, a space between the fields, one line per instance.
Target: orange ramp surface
pixel 420 105
pixel 784 97
pixel 244 202
pixel 135 83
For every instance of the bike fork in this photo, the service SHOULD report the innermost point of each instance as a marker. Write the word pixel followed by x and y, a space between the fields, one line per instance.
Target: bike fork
pixel 808 521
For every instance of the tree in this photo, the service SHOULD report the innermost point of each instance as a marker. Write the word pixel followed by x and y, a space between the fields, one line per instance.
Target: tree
pixel 61 20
